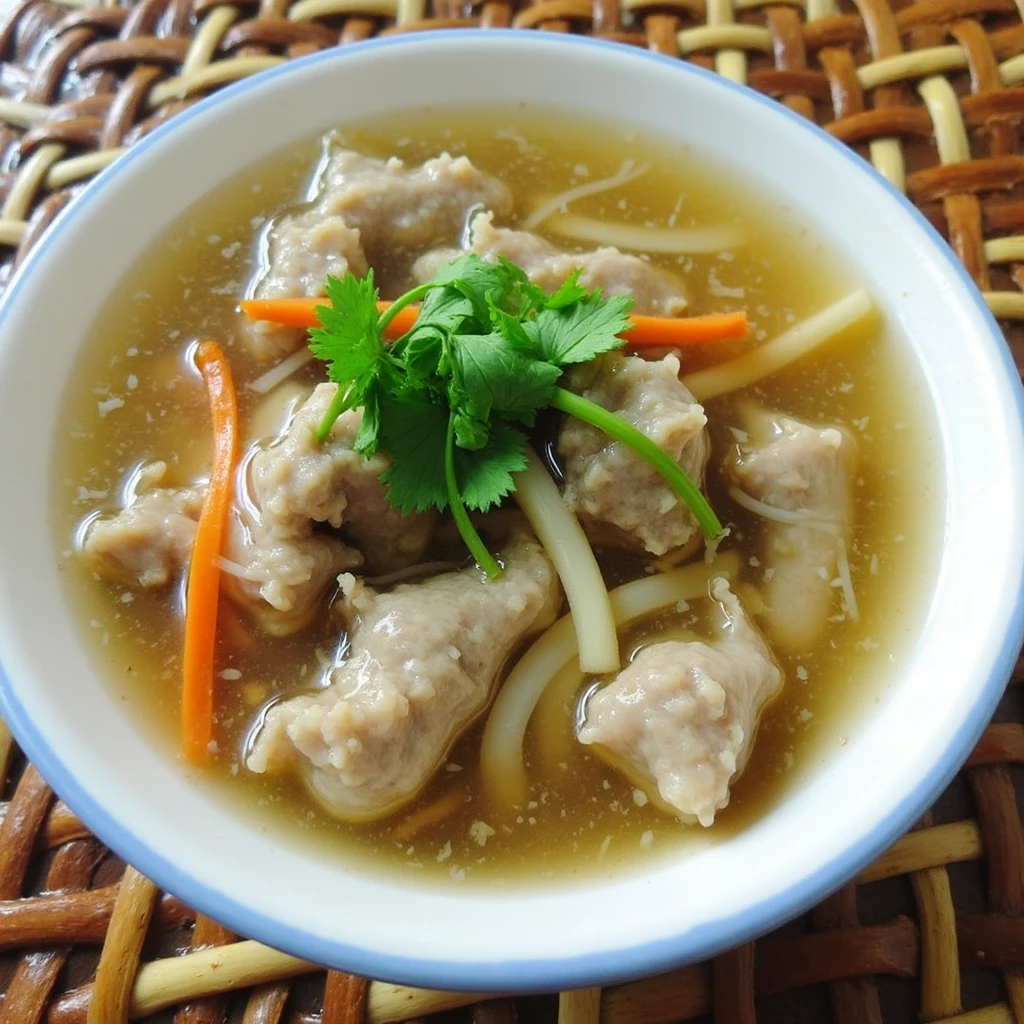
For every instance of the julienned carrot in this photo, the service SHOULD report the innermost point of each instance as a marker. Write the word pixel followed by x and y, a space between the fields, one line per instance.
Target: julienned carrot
pixel 401 322
pixel 654 331
pixel 302 313
pixel 204 571
pixel 647 331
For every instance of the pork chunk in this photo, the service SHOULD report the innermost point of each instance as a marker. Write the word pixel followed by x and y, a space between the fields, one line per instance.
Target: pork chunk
pixel 680 719
pixel 404 210
pixel 294 485
pixel 802 473
pixel 278 560
pixel 280 578
pixel 422 664
pixel 615 273
pixel 302 249
pixel 149 541
pixel 296 479
pixel 606 482
pixel 366 212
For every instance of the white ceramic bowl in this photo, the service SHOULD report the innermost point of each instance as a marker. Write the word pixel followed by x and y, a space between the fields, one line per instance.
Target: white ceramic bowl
pixel 142 805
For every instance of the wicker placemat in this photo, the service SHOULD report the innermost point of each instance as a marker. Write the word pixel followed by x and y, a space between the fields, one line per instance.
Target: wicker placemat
pixel 928 91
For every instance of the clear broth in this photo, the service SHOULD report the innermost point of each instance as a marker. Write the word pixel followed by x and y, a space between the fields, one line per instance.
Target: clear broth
pixel 136 399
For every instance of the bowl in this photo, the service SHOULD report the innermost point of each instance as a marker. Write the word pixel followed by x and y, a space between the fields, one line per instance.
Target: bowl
pixel 906 749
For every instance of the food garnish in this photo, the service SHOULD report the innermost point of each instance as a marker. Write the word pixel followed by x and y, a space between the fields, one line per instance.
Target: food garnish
pixel 449 400
pixel 203 593
pixel 643 331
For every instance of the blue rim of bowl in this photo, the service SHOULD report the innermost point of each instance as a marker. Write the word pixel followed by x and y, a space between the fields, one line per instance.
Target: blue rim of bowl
pixel 524 975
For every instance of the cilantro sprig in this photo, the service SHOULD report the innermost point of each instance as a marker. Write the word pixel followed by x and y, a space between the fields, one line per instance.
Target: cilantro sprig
pixel 448 401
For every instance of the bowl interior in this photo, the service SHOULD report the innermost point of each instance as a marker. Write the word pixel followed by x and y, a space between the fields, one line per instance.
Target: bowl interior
pixel 226 866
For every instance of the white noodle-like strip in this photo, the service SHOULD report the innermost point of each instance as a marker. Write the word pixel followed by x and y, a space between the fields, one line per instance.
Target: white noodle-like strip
pixel 623 176
pixel 410 572
pixel 235 569
pixel 713 238
pixel 501 748
pixel 846 580
pixel 281 372
pixel 806 519
pixel 558 715
pixel 789 346
pixel 789 517
pixel 569 550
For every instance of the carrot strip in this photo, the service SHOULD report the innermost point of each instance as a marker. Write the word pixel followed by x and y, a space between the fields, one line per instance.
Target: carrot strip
pixel 402 320
pixel 647 331
pixel 686 330
pixel 302 313
pixel 443 807
pixel 290 312
pixel 204 571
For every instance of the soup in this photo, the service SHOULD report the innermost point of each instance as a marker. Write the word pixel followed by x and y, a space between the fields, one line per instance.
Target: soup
pixel 377 695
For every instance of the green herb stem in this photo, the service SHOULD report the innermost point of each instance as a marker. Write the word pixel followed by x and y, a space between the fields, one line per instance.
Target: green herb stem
pixel 411 296
pixel 473 541
pixel 339 404
pixel 620 429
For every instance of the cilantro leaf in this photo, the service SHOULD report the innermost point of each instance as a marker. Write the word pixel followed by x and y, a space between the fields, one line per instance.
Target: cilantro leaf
pixel 470 412
pixel 580 331
pixel 420 351
pixel 495 377
pixel 472 430
pixel 413 430
pixel 484 284
pixel 413 434
pixel 347 338
pixel 369 429
pixel 485 477
pixel 348 341
pixel 448 400
pixel 444 308
pixel 531 296
pixel 570 291
pixel 511 329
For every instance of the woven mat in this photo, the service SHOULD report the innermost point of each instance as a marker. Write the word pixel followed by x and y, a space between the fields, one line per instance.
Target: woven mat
pixel 928 91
